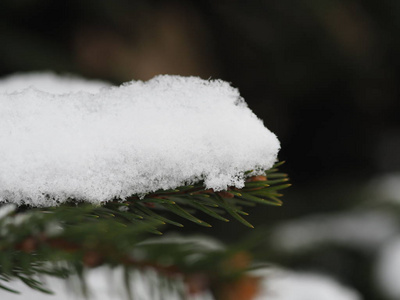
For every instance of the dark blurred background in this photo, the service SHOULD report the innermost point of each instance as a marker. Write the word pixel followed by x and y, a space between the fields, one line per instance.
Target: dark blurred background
pixel 322 74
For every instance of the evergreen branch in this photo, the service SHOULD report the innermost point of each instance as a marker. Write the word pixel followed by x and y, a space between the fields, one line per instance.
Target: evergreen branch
pixel 76 234
pixel 257 190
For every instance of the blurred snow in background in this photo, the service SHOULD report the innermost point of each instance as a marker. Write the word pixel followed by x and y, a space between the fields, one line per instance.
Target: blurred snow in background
pixel 388 269
pixel 386 189
pixel 104 283
pixel 285 285
pixel 368 231
pixel 107 284
pixel 363 230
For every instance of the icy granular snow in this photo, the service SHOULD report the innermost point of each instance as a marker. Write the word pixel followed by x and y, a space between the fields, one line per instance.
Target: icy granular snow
pixel 99 143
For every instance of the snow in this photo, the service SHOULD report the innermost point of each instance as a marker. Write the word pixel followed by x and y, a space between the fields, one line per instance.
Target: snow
pixel 385 189
pixel 97 143
pixel 199 242
pixel 363 230
pixel 287 285
pixel 387 270
pixel 50 82
pixel 5 210
pixel 105 283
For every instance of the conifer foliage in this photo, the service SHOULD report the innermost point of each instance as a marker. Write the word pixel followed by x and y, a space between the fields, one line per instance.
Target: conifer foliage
pixel 61 229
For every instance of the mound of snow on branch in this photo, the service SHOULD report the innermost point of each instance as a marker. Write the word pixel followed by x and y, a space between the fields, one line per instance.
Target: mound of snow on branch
pixel 97 143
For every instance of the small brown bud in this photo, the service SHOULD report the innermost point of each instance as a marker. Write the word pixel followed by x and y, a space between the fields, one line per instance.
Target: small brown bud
pixel 92 259
pixel 197 283
pixel 257 178
pixel 245 288
pixel 28 245
pixel 239 261
pixel 225 194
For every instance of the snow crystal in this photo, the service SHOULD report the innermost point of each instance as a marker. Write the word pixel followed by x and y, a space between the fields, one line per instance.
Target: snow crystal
pixel 96 144
pixel 285 285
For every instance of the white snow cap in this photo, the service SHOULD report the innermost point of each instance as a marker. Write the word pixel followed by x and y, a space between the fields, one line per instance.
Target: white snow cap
pixel 113 142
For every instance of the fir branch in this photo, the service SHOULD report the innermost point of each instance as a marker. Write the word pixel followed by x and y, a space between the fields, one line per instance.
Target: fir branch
pixel 62 240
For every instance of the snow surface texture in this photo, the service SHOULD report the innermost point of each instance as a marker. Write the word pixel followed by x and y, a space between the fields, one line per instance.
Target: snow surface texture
pixel 285 285
pixel 97 143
